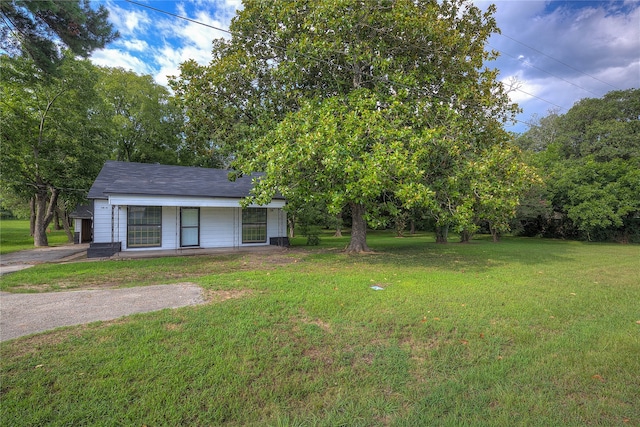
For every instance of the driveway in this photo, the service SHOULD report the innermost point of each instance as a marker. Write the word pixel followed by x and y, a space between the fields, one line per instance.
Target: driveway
pixel 24 259
pixel 24 314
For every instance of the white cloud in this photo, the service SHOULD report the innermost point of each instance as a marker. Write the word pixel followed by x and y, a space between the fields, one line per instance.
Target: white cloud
pixel 127 21
pixel 136 45
pixel 186 40
pixel 169 60
pixel 155 43
pixel 564 51
pixel 119 58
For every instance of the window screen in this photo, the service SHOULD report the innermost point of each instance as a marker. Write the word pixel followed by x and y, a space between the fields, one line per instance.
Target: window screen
pixel 144 226
pixel 254 225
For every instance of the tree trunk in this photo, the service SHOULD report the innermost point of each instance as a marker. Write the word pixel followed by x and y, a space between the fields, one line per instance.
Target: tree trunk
pixel 44 214
pixel 291 223
pixel 56 220
pixel 32 216
pixel 494 234
pixel 465 236
pixel 442 233
pixel 358 242
pixel 338 232
pixel 400 223
pixel 413 227
pixel 66 223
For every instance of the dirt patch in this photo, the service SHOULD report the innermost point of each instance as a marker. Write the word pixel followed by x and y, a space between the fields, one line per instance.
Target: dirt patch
pixel 215 296
pixel 33 345
pixel 256 261
pixel 321 324
pixel 304 318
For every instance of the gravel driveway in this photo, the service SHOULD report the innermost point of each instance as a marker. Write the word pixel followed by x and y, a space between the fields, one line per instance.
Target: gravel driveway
pixel 24 314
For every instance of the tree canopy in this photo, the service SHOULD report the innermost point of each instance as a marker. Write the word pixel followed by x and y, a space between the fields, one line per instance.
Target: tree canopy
pixel 591 159
pixel 43 29
pixel 352 103
pixel 146 125
pixel 58 129
pixel 52 136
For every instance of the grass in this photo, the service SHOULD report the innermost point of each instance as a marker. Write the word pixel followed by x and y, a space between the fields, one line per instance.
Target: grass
pixel 14 236
pixel 524 332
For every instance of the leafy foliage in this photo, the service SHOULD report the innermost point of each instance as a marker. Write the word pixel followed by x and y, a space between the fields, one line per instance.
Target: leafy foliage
pixel 146 124
pixel 58 129
pixel 52 140
pixel 349 103
pixel 591 156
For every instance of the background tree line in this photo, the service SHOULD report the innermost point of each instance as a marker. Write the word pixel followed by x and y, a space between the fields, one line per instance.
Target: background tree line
pixel 590 158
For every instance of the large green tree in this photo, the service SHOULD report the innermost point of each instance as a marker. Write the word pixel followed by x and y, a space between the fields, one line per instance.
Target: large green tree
pixel 350 102
pixel 146 125
pixel 591 160
pixel 53 140
pixel 43 29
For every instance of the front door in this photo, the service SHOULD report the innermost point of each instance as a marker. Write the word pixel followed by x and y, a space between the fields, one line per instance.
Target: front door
pixel 189 227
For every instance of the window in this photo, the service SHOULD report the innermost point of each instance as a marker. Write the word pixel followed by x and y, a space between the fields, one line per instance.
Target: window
pixel 189 226
pixel 254 225
pixel 144 226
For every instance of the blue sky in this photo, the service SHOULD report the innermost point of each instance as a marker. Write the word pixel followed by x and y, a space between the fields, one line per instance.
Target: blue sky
pixel 556 52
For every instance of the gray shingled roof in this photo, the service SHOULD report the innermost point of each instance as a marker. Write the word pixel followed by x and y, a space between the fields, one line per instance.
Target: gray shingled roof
pixel 162 180
pixel 83 211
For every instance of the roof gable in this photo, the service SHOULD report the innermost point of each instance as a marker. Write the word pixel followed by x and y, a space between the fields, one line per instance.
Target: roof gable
pixel 163 180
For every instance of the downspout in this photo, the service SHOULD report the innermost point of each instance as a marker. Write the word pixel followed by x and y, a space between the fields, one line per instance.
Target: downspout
pixel 112 224
pixel 236 228
pixel 118 226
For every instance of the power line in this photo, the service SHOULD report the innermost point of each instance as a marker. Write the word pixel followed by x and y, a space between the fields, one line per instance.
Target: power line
pixel 559 61
pixel 178 16
pixel 542 99
pixel 544 71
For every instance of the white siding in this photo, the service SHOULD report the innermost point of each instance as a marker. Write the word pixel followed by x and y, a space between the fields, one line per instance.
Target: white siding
pixel 101 221
pixel 276 223
pixel 220 227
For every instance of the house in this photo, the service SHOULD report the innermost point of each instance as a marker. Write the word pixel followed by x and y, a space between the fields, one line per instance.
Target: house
pixel 139 206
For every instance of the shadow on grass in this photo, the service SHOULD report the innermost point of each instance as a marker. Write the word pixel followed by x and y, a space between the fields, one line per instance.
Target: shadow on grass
pixel 421 251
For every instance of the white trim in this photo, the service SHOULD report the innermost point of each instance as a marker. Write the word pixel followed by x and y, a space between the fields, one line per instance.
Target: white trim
pixel 196 202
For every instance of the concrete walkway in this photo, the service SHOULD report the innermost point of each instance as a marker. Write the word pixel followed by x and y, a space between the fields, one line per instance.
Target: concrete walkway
pixel 196 251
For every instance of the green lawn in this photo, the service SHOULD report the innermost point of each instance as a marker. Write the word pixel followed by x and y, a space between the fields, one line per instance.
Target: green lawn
pixel 14 236
pixel 524 332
